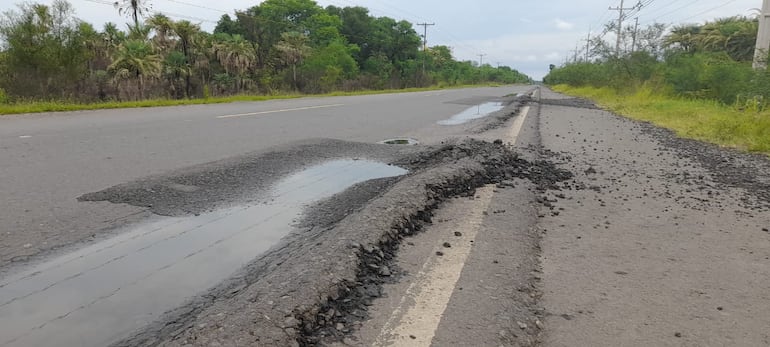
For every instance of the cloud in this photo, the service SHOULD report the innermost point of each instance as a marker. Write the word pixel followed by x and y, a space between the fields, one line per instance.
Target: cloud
pixel 526 20
pixel 530 53
pixel 562 24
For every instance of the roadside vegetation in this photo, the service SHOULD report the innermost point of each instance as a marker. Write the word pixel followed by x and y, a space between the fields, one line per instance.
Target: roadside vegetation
pixel 697 80
pixel 52 61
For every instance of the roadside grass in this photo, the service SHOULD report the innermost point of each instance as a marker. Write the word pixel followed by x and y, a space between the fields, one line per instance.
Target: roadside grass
pixel 704 120
pixel 63 106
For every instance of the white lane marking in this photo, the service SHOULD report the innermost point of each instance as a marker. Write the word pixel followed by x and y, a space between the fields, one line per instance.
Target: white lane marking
pixel 415 320
pixel 518 123
pixel 25 136
pixel 434 284
pixel 278 111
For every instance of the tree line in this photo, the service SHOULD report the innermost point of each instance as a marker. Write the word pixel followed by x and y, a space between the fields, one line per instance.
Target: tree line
pixel 708 61
pixel 277 46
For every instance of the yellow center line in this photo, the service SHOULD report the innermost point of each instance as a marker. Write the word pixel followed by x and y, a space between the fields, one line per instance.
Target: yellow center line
pixel 278 111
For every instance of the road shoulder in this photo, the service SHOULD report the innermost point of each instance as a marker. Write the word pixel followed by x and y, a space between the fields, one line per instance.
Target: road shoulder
pixel 658 252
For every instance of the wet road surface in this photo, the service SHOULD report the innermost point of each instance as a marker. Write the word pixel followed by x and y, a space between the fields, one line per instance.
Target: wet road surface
pixel 99 294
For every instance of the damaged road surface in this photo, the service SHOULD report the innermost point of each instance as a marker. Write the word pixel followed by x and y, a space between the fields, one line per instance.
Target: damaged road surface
pixel 486 217
pixel 115 286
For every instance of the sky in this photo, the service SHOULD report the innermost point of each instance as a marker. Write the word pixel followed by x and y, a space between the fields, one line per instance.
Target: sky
pixel 525 35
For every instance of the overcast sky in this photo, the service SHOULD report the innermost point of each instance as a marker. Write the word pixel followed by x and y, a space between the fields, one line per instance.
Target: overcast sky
pixel 526 35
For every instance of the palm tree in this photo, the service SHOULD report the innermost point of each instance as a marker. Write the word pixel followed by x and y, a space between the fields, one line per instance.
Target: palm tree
pixel 133 8
pixel 293 47
pixel 187 33
pixel 135 58
pixel 683 36
pixel 139 32
pixel 175 68
pixel 203 55
pixel 734 35
pixel 164 28
pixel 113 37
pixel 236 55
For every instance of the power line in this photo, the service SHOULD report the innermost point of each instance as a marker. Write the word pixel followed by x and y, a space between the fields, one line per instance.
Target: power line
pixel 638 8
pixel 196 5
pixel 170 14
pixel 661 8
pixel 709 10
pixel 676 10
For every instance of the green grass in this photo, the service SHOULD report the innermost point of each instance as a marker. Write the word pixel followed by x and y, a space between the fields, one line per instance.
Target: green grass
pixel 703 120
pixel 62 106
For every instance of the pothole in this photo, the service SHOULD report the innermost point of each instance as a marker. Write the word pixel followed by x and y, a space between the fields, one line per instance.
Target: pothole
pixel 400 141
pixel 101 293
pixel 475 112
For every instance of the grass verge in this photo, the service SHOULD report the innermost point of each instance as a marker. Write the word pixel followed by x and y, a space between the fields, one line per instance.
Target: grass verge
pixel 60 106
pixel 703 120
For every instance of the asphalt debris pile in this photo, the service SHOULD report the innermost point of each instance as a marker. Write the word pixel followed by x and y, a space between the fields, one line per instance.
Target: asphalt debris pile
pixel 347 308
pixel 318 283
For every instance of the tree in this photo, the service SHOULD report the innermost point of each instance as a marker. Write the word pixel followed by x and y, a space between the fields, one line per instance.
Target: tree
pixel 236 55
pixel 293 47
pixel 139 32
pixel 112 36
pixel 164 29
pixel 133 9
pixel 227 25
pixel 328 66
pixel 135 58
pixel 734 35
pixel 187 34
pixel 176 68
pixel 684 37
pixel 45 50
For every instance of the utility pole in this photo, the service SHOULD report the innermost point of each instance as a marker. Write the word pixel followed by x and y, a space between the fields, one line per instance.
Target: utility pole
pixel 481 59
pixel 425 34
pixel 763 37
pixel 425 44
pixel 636 33
pixel 588 44
pixel 620 23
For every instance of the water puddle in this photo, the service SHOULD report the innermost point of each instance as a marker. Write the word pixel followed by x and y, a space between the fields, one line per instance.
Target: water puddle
pixel 103 292
pixel 400 141
pixel 475 112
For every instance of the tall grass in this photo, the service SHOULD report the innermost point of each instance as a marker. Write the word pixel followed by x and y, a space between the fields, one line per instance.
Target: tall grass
pixel 700 119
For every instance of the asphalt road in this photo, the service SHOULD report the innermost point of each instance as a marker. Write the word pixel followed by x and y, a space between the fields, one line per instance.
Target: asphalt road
pixel 655 241
pixel 48 160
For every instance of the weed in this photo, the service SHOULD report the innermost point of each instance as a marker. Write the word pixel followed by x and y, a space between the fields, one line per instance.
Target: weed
pixel 706 120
